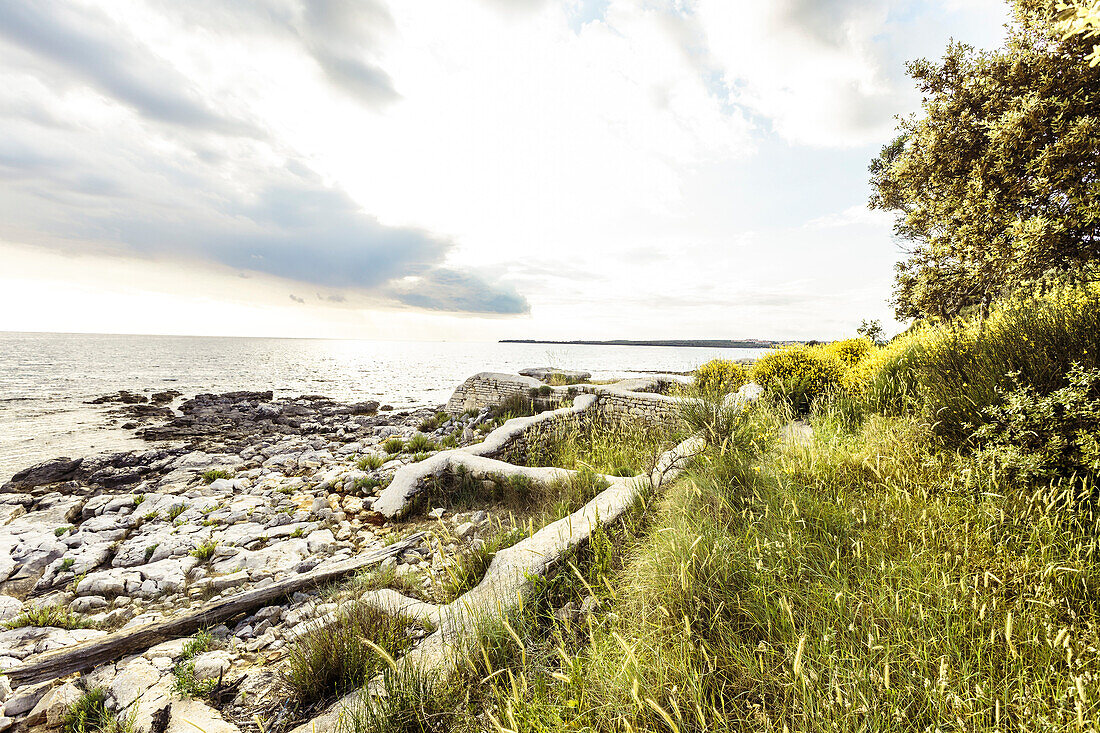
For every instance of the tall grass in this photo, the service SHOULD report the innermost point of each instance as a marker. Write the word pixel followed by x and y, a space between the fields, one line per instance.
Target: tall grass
pixel 341 656
pixel 603 447
pixel 949 373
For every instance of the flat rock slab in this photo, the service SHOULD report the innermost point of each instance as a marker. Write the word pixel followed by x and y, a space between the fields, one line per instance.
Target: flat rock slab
pixel 546 373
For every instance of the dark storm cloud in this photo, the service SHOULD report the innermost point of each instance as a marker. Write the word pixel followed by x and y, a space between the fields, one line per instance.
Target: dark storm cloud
pixel 444 289
pixel 89 48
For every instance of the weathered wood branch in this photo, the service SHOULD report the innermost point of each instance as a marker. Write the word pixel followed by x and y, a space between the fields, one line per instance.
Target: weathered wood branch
pixel 89 654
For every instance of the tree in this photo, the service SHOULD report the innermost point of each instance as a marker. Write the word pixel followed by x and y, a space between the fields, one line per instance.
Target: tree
pixel 872 330
pixel 996 185
pixel 1080 17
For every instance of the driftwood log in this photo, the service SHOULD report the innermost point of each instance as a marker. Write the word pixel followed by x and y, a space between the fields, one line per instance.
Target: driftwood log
pixel 117 644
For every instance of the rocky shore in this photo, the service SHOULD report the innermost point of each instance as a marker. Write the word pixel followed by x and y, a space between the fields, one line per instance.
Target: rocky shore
pixel 236 492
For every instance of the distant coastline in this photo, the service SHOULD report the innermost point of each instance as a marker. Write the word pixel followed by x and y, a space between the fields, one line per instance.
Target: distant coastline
pixel 700 343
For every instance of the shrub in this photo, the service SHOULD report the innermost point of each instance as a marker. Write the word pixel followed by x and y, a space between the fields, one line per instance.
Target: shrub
pixel 1042 438
pixel 952 372
pixel 798 374
pixel 334 659
pixel 214 474
pixel 393 445
pixel 720 375
pixel 184 671
pixel 427 425
pixel 850 351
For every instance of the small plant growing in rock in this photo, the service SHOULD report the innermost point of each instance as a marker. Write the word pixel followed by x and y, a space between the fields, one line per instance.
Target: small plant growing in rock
pixel 150 516
pixel 184 671
pixel 428 425
pixel 418 457
pixel 67 563
pixel 89 714
pixel 297 533
pixel 449 441
pixel 150 550
pixel 175 510
pixel 55 616
pixel 138 499
pixel 62 530
pixel 205 551
pixel 366 484
pixel 393 446
pixel 212 475
pixel 370 462
pixel 419 443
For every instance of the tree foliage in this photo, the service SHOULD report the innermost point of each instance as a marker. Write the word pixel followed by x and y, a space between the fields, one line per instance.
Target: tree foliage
pixel 996 185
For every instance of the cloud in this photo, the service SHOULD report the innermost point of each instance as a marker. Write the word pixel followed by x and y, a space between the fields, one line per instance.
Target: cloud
pixel 296 299
pixel 852 216
pixel 87 46
pixel 444 289
pixel 239 212
pixel 340 34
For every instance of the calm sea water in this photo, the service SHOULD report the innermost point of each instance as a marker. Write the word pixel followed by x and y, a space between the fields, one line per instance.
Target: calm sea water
pixel 46 379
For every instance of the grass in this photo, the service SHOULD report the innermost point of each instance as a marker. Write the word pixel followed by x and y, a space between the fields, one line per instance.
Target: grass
pixel 184 682
pixel 205 551
pixel 420 443
pixel 55 616
pixel 863 580
pixel 175 510
pixel 370 462
pixel 334 659
pixel 471 565
pixel 393 446
pixel 516 405
pixel 213 474
pixel 89 714
pixel 614 450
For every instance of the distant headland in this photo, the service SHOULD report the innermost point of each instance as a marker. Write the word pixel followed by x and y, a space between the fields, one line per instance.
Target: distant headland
pixel 701 343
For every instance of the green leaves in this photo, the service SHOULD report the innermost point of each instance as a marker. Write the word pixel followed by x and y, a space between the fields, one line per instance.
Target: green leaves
pixel 995 185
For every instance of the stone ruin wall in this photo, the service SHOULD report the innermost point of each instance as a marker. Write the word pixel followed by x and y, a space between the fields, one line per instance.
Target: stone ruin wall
pixel 488 389
pixel 630 401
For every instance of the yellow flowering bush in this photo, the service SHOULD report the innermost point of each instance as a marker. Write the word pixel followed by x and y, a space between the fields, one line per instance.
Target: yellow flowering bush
pixel 720 375
pixel 799 374
pixel 850 351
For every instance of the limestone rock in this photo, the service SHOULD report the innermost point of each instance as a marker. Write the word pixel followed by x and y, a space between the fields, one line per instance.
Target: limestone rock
pixel 53 706
pixel 189 715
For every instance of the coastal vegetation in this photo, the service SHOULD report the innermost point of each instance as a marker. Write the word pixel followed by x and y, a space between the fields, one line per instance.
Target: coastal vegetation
pixel 906 565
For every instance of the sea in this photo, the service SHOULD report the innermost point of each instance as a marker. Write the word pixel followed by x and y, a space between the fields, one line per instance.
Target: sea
pixel 47 379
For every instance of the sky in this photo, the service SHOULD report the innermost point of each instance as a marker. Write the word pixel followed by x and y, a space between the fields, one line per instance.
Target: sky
pixel 463 170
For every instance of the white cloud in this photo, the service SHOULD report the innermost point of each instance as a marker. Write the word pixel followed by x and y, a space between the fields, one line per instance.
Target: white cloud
pixel 592 159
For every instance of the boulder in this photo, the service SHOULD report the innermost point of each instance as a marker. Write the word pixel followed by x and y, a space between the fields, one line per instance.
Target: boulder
pixel 47 472
pixel 211 665
pixel 189 715
pixel 24 699
pixel 53 706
